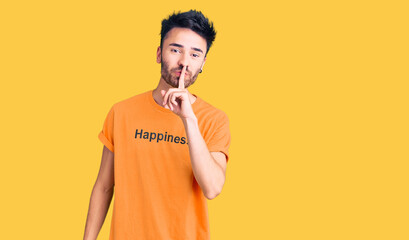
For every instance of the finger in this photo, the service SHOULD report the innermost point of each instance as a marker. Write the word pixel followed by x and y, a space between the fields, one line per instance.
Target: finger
pixel 169 100
pixel 174 100
pixel 167 95
pixel 182 78
pixel 165 98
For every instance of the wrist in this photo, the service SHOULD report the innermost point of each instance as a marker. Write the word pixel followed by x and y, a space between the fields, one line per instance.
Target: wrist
pixel 191 119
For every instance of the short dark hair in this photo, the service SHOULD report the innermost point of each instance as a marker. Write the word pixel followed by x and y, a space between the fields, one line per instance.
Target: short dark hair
pixel 194 20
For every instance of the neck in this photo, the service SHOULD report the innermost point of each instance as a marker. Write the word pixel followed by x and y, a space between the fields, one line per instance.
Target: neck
pixel 164 86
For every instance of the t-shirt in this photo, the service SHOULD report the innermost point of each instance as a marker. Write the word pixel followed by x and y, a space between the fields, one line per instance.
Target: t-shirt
pixel 156 194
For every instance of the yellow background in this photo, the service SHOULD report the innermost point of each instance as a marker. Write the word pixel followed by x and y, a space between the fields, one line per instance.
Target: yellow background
pixel 316 93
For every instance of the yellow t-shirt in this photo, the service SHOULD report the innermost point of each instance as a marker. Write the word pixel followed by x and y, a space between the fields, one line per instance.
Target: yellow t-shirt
pixel 156 194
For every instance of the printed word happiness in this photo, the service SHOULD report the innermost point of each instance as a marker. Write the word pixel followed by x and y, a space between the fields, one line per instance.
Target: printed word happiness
pixel 152 136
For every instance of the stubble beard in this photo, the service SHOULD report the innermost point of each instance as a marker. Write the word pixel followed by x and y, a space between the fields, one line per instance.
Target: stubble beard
pixel 173 80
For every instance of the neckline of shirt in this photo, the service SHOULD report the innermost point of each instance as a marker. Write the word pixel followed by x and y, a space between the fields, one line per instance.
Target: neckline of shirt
pixel 149 95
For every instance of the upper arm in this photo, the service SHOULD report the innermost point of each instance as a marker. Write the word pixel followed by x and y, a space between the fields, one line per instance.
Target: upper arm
pixel 218 139
pixel 105 177
pixel 220 159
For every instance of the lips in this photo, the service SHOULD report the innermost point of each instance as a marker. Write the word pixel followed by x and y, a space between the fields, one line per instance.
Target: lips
pixel 179 72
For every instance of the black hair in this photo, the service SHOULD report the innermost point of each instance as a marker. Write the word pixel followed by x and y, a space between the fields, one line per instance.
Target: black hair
pixel 194 20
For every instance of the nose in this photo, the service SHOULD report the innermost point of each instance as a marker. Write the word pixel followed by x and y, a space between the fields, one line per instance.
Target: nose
pixel 184 61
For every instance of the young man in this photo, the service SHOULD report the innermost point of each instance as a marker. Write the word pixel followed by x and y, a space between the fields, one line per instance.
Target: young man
pixel 170 147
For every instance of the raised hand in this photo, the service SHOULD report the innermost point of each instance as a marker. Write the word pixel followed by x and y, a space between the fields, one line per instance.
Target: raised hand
pixel 177 99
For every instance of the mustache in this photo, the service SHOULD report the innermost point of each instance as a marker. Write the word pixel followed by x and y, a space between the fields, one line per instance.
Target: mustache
pixel 180 69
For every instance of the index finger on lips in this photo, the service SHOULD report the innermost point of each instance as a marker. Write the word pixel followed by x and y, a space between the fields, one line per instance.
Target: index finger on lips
pixel 182 78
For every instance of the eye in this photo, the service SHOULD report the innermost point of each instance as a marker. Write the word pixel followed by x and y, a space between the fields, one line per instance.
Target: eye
pixel 174 50
pixel 196 55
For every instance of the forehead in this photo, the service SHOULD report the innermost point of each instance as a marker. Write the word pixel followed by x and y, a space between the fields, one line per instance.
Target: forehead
pixel 185 37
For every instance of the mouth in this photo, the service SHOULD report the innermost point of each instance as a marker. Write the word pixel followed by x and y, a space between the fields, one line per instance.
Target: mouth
pixel 179 72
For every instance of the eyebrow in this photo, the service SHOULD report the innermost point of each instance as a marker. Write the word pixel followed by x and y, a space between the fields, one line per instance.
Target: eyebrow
pixel 181 46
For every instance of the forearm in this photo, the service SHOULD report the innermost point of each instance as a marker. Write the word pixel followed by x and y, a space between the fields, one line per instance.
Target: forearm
pixel 98 208
pixel 207 172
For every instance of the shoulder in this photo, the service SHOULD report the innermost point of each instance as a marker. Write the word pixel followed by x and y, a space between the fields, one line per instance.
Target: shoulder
pixel 129 102
pixel 209 111
pixel 213 123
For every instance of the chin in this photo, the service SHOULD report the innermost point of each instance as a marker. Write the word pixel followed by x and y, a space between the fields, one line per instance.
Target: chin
pixel 170 83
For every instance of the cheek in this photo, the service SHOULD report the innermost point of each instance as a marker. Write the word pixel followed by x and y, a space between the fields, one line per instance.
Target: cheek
pixel 170 57
pixel 196 66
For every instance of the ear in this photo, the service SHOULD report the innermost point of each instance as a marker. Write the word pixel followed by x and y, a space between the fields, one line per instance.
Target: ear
pixel 204 60
pixel 158 55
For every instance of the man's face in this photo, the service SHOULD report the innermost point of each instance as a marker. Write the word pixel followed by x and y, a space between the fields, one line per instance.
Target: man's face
pixel 181 47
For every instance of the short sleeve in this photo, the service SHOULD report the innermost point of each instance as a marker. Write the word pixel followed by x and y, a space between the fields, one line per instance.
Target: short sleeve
pixel 220 139
pixel 106 136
